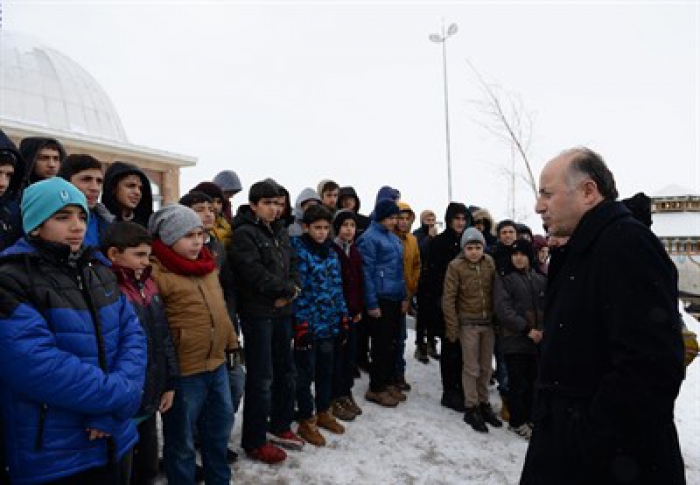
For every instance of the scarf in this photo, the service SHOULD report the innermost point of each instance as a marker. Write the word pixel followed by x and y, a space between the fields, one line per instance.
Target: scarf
pixel 320 249
pixel 203 265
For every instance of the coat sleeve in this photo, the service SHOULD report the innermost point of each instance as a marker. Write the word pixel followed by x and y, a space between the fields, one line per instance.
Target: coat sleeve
pixel 368 249
pixel 31 364
pixel 450 293
pixel 302 305
pixel 504 303
pixel 414 270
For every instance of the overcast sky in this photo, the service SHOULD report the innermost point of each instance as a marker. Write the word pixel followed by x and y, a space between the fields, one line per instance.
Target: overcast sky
pixel 353 91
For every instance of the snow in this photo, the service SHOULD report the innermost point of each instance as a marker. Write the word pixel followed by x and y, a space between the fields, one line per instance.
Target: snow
pixel 422 442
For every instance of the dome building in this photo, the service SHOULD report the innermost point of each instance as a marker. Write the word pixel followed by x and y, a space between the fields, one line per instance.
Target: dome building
pixel 45 93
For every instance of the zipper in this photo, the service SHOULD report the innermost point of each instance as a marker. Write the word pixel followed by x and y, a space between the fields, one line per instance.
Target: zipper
pixel 39 443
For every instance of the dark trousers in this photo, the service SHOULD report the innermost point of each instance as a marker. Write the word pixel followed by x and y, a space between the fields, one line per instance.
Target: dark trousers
pixel 270 380
pixel 400 369
pixel 426 315
pixel 522 371
pixel 385 330
pixel 451 367
pixel 344 363
pixel 501 373
pixel 363 343
pixel 145 460
pixel 115 474
pixel 314 366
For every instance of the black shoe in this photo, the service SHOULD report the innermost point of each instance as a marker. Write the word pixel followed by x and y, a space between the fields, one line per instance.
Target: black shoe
pixel 432 351
pixel 199 474
pixel 489 416
pixel 231 456
pixel 453 400
pixel 473 417
pixel 421 353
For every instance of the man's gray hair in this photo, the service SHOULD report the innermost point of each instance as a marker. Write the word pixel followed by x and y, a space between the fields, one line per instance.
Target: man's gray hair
pixel 588 164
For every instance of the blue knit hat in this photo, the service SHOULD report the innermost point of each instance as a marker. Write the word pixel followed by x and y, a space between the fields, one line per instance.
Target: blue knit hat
pixel 385 208
pixel 43 199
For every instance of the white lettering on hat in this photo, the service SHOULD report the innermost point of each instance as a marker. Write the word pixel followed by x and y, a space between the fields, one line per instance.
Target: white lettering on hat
pixel 64 195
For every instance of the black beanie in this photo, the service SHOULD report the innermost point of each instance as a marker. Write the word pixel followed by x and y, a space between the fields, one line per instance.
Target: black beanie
pixel 522 246
pixel 341 216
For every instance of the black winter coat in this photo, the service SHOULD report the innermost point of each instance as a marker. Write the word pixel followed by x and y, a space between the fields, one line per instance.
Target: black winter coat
pixel 263 264
pixel 611 359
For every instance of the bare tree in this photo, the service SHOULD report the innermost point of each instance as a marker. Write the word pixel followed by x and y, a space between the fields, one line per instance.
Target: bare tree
pixel 509 121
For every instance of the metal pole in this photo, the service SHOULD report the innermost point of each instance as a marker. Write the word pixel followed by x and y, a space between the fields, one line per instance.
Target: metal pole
pixel 447 116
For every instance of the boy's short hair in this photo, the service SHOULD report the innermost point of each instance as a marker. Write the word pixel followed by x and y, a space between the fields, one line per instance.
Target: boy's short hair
pixel 125 234
pixel 317 213
pixel 506 223
pixel 76 163
pixel 328 186
pixel 263 190
pixel 195 197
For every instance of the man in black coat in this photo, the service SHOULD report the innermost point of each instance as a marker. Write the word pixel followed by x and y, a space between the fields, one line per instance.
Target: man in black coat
pixel 612 353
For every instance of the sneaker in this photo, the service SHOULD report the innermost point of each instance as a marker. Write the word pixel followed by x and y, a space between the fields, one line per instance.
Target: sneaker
pixel 489 416
pixel 352 405
pixel 287 439
pixel 267 453
pixel 396 393
pixel 382 398
pixel 341 410
pixel 308 430
pixel 326 420
pixel 473 417
pixel 432 351
pixel 421 353
pixel 523 430
pixel 401 383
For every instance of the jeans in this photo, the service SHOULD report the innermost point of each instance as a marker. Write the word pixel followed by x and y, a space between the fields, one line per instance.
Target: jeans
pixel 203 401
pixel 401 348
pixel 344 364
pixel 236 378
pixel 314 366
pixel 384 331
pixel 271 379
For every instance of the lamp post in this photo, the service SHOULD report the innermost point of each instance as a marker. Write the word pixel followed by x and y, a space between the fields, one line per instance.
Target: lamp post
pixel 442 39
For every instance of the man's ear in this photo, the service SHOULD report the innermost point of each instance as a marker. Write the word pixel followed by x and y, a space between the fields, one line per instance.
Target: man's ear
pixel 112 253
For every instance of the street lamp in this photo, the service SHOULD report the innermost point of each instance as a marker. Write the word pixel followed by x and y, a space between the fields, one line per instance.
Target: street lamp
pixel 442 39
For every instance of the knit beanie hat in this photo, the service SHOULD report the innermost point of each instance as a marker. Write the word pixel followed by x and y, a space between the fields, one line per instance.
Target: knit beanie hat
pixel 522 246
pixel 43 199
pixel 341 216
pixel 385 208
pixel 472 235
pixel 173 222
pixel 228 180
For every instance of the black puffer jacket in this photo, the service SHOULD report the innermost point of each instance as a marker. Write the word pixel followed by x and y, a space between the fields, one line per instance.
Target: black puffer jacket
pixel 116 172
pixel 518 298
pixel 263 264
pixel 10 218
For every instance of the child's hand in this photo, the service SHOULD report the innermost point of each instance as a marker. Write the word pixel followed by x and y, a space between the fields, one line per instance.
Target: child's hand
pixel 166 401
pixel 357 318
pixel 96 434
pixel 280 302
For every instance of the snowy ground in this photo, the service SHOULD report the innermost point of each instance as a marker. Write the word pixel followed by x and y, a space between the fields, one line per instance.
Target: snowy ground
pixel 423 442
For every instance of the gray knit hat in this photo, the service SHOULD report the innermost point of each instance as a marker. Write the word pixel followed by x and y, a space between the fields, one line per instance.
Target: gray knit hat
pixel 173 222
pixel 228 181
pixel 472 235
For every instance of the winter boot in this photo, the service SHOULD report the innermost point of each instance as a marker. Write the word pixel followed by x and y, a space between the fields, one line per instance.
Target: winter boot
pixel 454 400
pixel 472 416
pixel 287 439
pixel 421 353
pixel 309 432
pixel 341 410
pixel 489 416
pixel 383 398
pixel 396 393
pixel 401 383
pixel 432 350
pixel 352 405
pixel 326 420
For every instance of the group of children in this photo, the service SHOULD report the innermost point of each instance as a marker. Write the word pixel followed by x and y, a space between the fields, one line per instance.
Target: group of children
pixel 111 313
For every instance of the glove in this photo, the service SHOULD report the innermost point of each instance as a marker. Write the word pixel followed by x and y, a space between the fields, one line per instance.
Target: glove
pixel 302 337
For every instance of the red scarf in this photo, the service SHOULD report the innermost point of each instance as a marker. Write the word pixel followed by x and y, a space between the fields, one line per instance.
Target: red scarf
pixel 204 264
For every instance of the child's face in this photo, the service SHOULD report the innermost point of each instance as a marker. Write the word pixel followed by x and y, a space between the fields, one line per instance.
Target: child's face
pixel 329 198
pixel 6 173
pixel 67 226
pixel 348 203
pixel 347 230
pixel 47 163
pixel 543 254
pixel 280 204
pixel 265 209
pixel 520 261
pixel 217 205
pixel 205 211
pixel 189 245
pixel 473 252
pixel 403 223
pixel 458 223
pixel 507 235
pixel 136 258
pixel 319 230
pixel 128 191
pixel 89 182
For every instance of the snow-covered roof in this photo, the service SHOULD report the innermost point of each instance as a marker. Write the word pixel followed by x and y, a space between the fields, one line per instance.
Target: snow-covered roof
pixel 676 224
pixel 674 191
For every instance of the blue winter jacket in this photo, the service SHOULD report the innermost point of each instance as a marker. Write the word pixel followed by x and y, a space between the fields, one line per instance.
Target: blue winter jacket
pixel 72 357
pixel 382 254
pixel 321 302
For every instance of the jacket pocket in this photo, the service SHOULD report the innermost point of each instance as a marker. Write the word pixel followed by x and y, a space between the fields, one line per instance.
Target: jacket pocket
pixel 39 443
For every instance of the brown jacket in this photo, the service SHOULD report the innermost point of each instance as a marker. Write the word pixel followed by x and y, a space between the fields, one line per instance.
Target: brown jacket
pixel 198 319
pixel 467 294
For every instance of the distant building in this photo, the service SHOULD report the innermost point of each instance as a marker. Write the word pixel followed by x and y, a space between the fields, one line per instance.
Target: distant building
pixel 676 221
pixel 45 93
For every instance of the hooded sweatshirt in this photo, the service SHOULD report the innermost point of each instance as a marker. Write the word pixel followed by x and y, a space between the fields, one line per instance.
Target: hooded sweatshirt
pixel 10 217
pixel 30 148
pixel 116 172
pixel 362 220
pixel 297 229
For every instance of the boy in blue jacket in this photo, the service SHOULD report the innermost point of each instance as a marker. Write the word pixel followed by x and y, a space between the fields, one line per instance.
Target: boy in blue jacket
pixel 72 352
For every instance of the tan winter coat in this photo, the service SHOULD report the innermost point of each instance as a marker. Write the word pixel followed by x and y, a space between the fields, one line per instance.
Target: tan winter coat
pixel 467 293
pixel 199 321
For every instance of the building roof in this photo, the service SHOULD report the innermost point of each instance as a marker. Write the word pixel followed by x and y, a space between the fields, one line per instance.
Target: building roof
pixel 40 86
pixel 674 191
pixel 676 224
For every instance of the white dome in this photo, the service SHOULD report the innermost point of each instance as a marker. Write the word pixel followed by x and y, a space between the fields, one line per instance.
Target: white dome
pixel 41 86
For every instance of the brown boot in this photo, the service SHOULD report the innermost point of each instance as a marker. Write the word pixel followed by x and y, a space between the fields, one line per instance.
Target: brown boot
pixel 342 411
pixel 382 398
pixel 352 405
pixel 396 393
pixel 308 431
pixel 327 421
